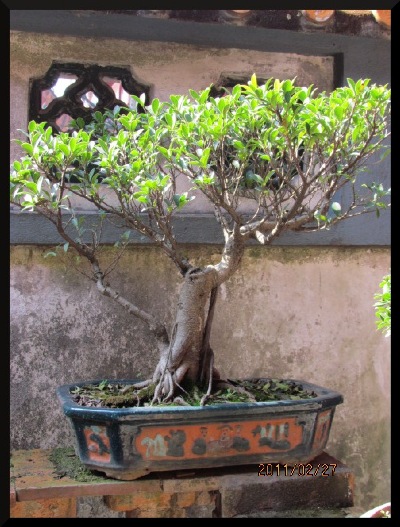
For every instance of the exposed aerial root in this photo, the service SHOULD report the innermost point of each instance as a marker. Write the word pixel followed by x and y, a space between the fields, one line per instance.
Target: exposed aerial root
pixel 206 396
pixel 141 391
pixel 180 401
pixel 168 383
pixel 138 385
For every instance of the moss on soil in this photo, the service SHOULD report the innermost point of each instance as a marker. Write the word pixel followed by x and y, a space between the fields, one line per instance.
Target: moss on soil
pixel 116 395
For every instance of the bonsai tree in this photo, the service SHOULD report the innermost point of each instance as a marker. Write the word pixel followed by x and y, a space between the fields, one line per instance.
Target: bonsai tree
pixel 282 149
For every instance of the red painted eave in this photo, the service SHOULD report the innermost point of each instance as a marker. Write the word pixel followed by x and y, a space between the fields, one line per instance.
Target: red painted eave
pixel 382 17
pixel 369 23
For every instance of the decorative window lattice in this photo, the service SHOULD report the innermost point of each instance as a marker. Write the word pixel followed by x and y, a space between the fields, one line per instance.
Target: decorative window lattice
pixel 69 91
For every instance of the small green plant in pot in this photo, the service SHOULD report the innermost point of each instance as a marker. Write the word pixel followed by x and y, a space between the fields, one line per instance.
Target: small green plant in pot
pixel 286 149
pixel 383 313
pixel 383 306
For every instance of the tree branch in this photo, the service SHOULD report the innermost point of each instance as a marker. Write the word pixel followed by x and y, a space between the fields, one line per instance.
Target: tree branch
pixel 155 327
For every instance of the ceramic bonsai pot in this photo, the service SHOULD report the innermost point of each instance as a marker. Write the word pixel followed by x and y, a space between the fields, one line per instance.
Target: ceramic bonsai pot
pixel 127 443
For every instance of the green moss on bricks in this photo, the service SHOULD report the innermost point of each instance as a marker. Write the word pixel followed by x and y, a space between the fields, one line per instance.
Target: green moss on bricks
pixel 66 463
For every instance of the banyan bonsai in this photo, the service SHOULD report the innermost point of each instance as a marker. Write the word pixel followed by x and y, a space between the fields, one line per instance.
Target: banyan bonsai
pixel 283 150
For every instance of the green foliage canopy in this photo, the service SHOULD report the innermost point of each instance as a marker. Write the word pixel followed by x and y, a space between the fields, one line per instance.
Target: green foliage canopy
pixel 287 148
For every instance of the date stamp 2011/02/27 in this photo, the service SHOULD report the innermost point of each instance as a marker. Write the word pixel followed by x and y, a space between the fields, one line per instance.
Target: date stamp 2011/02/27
pixel 298 469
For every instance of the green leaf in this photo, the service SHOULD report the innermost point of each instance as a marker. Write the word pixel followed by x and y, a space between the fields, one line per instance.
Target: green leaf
pixel 352 85
pixel 204 95
pixel 80 122
pixel 32 126
pixel 163 151
pixel 339 112
pixel 236 90
pixel 32 186
pixel 221 104
pixel 176 198
pixel 253 81
pixel 168 118
pixel 336 207
pixel 287 86
pixel 28 148
pixel 194 95
pixel 355 134
pixel 238 145
pixel 64 149
pixel 204 157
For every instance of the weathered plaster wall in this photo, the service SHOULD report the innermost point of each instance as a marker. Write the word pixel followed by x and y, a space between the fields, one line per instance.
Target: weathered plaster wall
pixel 303 313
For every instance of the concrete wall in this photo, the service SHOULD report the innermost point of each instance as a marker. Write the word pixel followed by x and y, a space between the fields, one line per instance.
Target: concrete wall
pixel 302 313
pixel 294 311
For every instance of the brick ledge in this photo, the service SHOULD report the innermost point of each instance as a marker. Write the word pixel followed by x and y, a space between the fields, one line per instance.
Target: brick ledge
pixel 36 491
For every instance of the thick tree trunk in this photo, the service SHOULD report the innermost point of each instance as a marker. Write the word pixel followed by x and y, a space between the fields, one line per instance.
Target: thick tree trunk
pixel 189 356
pixel 182 358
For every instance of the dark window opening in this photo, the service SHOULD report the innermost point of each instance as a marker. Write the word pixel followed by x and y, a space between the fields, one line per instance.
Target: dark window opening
pixel 223 86
pixel 227 81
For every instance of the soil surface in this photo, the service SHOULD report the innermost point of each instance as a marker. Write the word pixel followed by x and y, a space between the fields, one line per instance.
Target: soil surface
pixel 119 395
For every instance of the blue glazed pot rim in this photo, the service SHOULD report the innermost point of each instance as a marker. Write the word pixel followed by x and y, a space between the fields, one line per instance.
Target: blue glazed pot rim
pixel 325 398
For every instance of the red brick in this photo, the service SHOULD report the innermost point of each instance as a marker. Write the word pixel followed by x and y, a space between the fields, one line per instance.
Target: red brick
pixel 185 499
pixel 51 508
pixel 139 500
pixel 182 505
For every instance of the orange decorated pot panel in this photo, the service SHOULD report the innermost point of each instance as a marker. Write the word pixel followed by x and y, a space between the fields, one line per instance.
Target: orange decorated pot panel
pixel 216 439
pixel 322 429
pixel 98 443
